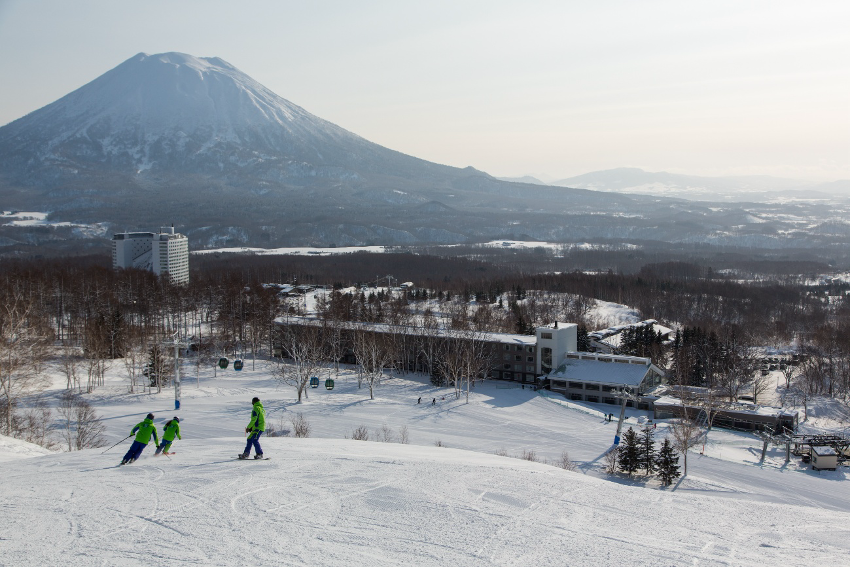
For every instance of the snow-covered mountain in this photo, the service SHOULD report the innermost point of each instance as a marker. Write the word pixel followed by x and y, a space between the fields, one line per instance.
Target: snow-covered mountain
pixel 172 137
pixel 173 112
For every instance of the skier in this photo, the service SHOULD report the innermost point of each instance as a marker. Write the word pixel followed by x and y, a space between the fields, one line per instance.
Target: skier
pixel 255 429
pixel 143 431
pixel 434 402
pixel 419 401
pixel 172 428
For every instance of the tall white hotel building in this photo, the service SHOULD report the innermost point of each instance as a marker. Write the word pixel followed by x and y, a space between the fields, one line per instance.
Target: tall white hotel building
pixel 163 253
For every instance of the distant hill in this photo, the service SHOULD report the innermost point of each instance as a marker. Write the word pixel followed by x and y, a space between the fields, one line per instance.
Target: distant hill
pixel 523 179
pixel 734 188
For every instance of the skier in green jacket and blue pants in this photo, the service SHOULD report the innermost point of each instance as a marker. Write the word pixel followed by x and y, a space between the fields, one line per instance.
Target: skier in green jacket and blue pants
pixel 255 429
pixel 143 431
pixel 172 428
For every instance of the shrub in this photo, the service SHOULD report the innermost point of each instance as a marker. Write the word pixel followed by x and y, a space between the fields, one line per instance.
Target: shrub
pixel 360 433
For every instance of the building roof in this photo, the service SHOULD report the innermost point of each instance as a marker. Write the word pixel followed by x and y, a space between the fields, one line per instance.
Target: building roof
pixel 510 338
pixel 729 407
pixel 622 372
pixel 824 450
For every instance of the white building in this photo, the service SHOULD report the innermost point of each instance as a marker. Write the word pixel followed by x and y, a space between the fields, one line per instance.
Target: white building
pixel 162 253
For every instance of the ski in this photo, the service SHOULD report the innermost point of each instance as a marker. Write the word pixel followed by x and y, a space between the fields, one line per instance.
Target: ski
pixel 252 459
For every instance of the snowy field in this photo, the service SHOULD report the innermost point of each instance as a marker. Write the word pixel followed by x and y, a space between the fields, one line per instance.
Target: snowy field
pixel 324 251
pixel 328 500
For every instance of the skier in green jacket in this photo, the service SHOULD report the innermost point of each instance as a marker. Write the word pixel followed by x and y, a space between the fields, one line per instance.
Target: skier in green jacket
pixel 172 428
pixel 143 431
pixel 255 429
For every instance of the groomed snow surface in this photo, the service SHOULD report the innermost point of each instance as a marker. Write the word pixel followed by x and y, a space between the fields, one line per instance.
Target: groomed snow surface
pixel 327 500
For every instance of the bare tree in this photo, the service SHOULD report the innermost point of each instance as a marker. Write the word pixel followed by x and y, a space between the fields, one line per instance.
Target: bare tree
pixel 23 344
pixel 385 434
pixel 564 462
pixel 35 425
pixel 612 461
pixel 300 426
pixel 760 385
pixel 360 433
pixel 686 434
pixel 70 362
pixel 306 348
pixel 374 351
pixel 788 373
pixel 135 360
pixel 82 426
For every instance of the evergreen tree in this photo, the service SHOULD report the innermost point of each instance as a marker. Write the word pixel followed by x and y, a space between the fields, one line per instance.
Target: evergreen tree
pixel 629 450
pixel 667 463
pixel 647 449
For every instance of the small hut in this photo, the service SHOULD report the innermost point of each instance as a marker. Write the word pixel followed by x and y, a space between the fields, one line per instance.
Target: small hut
pixel 824 457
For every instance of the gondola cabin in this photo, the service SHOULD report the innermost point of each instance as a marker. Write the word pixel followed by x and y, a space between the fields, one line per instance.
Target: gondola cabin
pixel 329 384
pixel 223 362
pixel 237 365
pixel 314 382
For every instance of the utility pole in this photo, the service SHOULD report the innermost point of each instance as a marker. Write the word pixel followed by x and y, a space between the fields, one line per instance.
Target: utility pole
pixel 177 345
pixel 625 394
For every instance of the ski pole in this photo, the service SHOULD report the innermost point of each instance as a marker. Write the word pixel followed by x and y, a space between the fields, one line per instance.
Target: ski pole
pixel 110 447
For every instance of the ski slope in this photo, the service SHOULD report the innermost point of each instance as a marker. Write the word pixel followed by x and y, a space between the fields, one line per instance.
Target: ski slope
pixel 345 502
pixel 327 500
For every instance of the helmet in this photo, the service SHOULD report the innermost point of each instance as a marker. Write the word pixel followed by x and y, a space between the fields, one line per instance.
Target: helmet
pixel 176 419
pixel 150 416
pixel 255 400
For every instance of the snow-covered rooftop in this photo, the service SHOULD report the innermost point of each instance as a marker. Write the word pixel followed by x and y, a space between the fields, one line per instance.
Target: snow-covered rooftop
pixel 621 372
pixel 512 338
pixel 824 450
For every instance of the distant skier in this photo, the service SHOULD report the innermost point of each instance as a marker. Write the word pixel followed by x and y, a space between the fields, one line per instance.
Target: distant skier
pixel 419 401
pixel 172 428
pixel 255 429
pixel 143 431
pixel 434 402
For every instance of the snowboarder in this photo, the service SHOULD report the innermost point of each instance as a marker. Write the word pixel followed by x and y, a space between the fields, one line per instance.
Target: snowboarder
pixel 143 431
pixel 172 428
pixel 255 429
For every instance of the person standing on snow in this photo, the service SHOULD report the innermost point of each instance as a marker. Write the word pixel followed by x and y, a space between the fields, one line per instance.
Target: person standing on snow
pixel 172 428
pixel 143 431
pixel 255 429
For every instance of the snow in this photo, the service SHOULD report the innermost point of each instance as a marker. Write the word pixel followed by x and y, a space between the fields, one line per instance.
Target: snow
pixel 592 371
pixel 327 500
pixel 320 502
pixel 550 246
pixel 322 251
pixel 39 219
pixel 12 449
pixel 613 313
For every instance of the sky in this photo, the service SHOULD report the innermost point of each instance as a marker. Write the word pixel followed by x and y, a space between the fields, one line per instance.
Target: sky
pixel 551 89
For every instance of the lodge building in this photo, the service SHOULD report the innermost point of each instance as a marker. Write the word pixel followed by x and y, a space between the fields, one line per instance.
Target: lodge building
pixel 548 359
